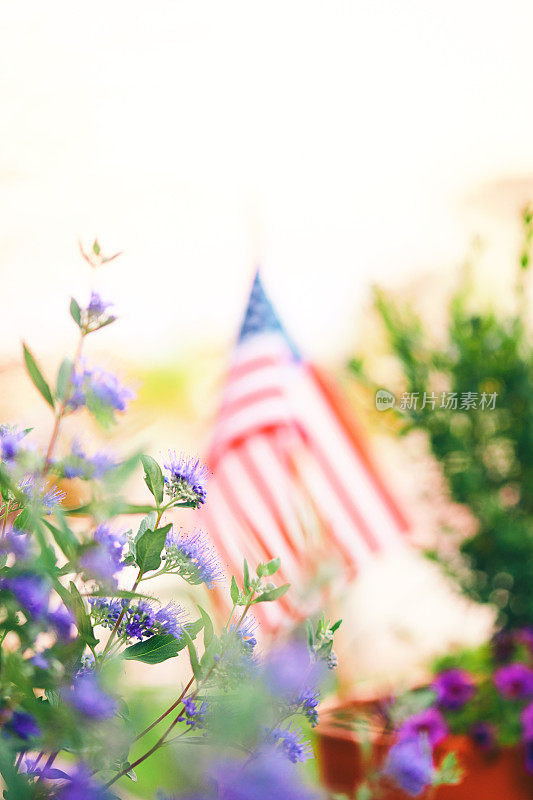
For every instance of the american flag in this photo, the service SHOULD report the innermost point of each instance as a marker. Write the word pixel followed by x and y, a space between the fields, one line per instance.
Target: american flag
pixel 291 475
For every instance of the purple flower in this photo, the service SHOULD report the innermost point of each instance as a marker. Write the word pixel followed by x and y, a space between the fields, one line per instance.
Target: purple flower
pixel 192 713
pixel 514 681
pixel 104 558
pixel 10 438
pixel 51 498
pixel 139 621
pixel 266 776
pixel 62 620
pixel 187 480
pixel 97 383
pixel 308 702
pixel 288 670
pixel 95 316
pixel 246 632
pixel 195 558
pixel 24 725
pixel 166 620
pixel 291 744
pixel 484 735
pixel 15 542
pixel 37 491
pixel 81 786
pixel 32 592
pixel 87 697
pixel 79 465
pixel 454 688
pixel 429 722
pixel 409 764
pixel 38 660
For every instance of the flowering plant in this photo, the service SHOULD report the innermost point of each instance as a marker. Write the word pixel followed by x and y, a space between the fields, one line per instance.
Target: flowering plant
pixel 72 616
pixel 485 693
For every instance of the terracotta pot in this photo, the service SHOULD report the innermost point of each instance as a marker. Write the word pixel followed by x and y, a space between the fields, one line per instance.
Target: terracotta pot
pixel 502 776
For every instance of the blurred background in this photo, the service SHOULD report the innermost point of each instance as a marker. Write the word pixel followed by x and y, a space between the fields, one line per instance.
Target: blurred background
pixel 339 145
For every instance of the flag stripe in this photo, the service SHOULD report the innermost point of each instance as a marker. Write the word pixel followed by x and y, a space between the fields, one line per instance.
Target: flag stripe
pixel 291 477
pixel 349 424
pixel 233 407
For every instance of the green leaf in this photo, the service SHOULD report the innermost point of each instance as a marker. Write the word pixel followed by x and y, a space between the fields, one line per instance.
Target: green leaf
pixel 193 655
pixel 153 477
pixel 272 594
pixel 207 625
pixel 149 547
pixel 147 524
pixel 156 649
pixel 37 377
pixel 449 772
pixel 246 573
pixel 64 538
pixel 336 625
pixel 234 590
pixel 75 312
pixel 63 379
pixel 271 567
pixel 102 413
pixel 96 247
pixel 83 620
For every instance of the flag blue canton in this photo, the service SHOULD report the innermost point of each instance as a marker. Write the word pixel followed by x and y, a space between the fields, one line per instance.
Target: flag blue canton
pixel 260 317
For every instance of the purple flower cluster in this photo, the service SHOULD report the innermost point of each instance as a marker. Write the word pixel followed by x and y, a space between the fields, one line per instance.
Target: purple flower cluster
pixel 288 671
pixel 246 633
pixel 410 765
pixel 87 697
pixel 16 543
pixel 104 559
pixel 192 713
pixel 78 465
pixel 514 681
pixel 10 438
pixel 96 382
pixel 33 593
pixel 81 786
pixel 454 688
pixel 96 314
pixel 139 621
pixel 38 491
pixel 62 620
pixel 186 482
pixel 267 776
pixel 290 743
pixel 24 725
pixel 194 557
pixel 307 703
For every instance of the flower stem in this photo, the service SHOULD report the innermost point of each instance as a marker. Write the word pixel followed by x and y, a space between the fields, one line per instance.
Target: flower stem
pixel 165 713
pixel 61 410
pixel 120 617
pixel 134 587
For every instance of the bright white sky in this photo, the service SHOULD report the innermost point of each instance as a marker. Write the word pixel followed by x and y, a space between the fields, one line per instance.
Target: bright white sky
pixel 336 141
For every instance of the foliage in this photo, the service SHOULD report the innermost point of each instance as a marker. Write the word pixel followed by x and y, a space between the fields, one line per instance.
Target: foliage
pixel 68 625
pixel 485 455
